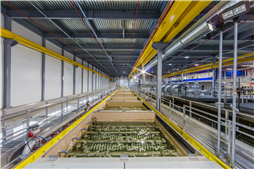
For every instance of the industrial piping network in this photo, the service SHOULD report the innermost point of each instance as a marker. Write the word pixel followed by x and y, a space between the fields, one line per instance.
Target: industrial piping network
pixel 197 31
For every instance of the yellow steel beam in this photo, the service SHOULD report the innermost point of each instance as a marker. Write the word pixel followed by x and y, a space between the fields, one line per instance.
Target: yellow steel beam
pixel 25 42
pixel 194 142
pixel 168 23
pixel 240 59
pixel 178 17
pixel 52 142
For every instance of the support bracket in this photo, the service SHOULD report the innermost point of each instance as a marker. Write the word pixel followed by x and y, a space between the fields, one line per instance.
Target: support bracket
pixel 10 42
pixel 159 45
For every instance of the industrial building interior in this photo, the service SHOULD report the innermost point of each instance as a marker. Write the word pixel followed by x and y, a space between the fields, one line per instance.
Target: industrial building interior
pixel 127 84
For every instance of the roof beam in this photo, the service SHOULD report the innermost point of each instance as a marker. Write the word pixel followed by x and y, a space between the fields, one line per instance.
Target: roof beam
pixel 113 55
pixel 123 23
pixel 106 47
pixel 100 36
pixel 91 15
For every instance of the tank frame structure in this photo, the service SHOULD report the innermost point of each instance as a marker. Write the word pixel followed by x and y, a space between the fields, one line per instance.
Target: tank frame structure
pixel 51 154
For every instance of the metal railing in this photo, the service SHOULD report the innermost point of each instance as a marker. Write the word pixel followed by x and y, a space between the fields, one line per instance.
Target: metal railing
pixel 192 114
pixel 55 106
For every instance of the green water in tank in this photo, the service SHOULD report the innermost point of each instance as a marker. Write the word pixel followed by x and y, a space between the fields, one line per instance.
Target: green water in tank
pixel 112 139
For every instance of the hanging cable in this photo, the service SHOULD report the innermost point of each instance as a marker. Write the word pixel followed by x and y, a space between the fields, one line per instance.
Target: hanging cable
pixel 92 34
pixel 132 35
pixel 50 32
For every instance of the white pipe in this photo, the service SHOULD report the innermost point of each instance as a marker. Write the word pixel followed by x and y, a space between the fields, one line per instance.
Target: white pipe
pixel 27 150
pixel 183 41
pixel 194 33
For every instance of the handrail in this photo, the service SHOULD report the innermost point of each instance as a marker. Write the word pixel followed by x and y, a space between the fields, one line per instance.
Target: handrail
pixel 13 110
pixel 23 41
pixel 53 141
pixel 62 116
pixel 227 125
pixel 194 142
pixel 207 105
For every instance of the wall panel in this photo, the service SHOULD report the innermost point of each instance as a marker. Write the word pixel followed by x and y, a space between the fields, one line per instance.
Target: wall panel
pixel 53 47
pixel 85 80
pixel 90 80
pixel 52 78
pixel 68 55
pixel 1 71
pixel 2 21
pixel 78 80
pixel 22 31
pixel 25 75
pixel 78 60
pixel 68 79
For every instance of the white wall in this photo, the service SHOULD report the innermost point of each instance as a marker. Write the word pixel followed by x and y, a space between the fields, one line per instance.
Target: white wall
pixel 97 81
pixel 78 60
pixel 22 31
pixel 2 20
pixel 78 80
pixel 90 80
pixel 94 76
pixel 85 80
pixel 68 55
pixel 85 76
pixel 1 73
pixel 68 75
pixel 53 47
pixel 52 78
pixel 26 67
pixel 25 75
pixel 1 65
pixel 68 79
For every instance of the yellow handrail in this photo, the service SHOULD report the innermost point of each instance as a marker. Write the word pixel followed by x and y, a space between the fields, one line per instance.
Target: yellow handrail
pixel 25 42
pixel 52 142
pixel 190 139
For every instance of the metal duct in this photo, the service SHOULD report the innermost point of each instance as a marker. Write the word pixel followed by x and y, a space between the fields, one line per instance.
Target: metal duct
pixel 194 33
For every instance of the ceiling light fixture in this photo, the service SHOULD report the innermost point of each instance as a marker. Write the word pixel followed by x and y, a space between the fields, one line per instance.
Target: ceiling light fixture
pixel 186 57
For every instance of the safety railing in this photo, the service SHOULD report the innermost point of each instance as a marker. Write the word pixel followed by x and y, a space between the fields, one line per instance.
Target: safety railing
pixel 192 114
pixel 52 110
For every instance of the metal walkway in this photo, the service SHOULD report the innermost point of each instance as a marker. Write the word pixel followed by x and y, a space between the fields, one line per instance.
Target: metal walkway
pixel 206 135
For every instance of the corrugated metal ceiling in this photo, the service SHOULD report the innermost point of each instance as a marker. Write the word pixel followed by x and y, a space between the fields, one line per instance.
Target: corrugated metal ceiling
pixel 88 5
pixel 110 26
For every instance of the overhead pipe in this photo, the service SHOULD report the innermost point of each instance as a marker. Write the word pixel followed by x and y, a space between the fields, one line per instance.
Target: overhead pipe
pixel 177 18
pixel 194 33
pixel 183 41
